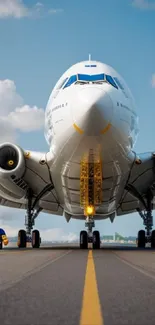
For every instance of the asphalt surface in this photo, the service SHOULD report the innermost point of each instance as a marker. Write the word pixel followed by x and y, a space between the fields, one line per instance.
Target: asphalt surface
pixel 65 285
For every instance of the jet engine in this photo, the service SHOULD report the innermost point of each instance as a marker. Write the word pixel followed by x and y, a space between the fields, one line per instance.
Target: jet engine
pixel 12 168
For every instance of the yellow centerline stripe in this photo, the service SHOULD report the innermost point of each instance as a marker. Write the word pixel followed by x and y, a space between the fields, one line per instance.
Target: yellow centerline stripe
pixel 91 313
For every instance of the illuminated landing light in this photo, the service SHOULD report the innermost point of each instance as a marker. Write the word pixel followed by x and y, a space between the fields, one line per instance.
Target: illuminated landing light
pixel 90 210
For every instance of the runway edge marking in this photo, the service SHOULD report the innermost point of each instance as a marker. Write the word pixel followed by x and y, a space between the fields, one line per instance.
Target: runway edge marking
pixel 91 313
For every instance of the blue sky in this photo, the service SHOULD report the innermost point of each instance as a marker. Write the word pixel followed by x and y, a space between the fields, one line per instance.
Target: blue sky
pixel 39 41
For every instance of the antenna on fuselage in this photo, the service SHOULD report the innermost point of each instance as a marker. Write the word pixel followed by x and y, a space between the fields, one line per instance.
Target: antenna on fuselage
pixel 89 57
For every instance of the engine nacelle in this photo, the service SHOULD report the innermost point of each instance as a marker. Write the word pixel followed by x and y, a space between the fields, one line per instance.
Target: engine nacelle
pixel 12 168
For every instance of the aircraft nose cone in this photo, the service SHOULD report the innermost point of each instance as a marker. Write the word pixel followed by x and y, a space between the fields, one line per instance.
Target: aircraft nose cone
pixel 94 111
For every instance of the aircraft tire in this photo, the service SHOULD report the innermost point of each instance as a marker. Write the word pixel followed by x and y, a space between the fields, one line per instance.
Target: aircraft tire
pixel 83 239
pixel 35 239
pixel 96 239
pixel 22 238
pixel 141 239
pixel 153 239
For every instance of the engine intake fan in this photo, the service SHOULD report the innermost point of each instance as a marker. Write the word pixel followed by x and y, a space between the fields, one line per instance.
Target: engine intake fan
pixel 9 157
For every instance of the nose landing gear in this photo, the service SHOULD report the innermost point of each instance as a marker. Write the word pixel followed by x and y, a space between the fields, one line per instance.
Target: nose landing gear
pixel 96 239
pixel 89 236
pixel 83 239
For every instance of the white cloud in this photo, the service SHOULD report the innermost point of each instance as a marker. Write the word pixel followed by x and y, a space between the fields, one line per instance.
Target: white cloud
pixel 7 132
pixel 11 220
pixel 27 118
pixel 144 4
pixel 9 98
pixel 15 115
pixel 18 9
pixel 10 231
pixel 153 80
pixel 13 8
pixel 54 11
pixel 57 234
pixel 7 214
pixel 39 5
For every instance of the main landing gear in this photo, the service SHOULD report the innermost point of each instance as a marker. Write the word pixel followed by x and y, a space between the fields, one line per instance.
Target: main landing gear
pixel 25 236
pixel 147 235
pixel 89 236
pixel 23 239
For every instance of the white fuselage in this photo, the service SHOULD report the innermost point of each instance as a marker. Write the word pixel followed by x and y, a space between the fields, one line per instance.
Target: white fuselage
pixel 91 112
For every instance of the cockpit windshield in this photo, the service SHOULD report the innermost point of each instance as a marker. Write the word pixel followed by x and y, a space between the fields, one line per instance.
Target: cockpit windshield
pixel 91 78
pixel 87 79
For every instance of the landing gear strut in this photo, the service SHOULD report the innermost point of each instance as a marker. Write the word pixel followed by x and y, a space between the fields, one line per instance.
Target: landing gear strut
pixel 25 236
pixel 89 236
pixel 90 224
pixel 147 235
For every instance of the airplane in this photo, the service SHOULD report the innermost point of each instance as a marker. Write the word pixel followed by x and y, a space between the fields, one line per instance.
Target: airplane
pixel 91 171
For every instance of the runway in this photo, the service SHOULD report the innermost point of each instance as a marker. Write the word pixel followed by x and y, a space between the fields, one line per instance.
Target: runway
pixel 65 285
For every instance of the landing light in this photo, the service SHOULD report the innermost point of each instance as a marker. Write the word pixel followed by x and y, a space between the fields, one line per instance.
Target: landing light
pixel 90 210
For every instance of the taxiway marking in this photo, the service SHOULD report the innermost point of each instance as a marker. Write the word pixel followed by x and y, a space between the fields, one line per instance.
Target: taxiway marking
pixel 91 313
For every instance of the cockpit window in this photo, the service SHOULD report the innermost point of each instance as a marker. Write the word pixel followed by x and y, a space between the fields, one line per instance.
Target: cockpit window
pixel 111 81
pixel 71 80
pixel 119 83
pixel 85 78
pixel 91 78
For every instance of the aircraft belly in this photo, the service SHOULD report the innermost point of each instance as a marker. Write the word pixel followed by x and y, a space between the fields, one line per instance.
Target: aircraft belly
pixel 71 189
pixel 67 181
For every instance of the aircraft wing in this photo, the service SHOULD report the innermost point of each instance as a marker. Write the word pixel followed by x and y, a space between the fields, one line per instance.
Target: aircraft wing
pixel 141 180
pixel 21 170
